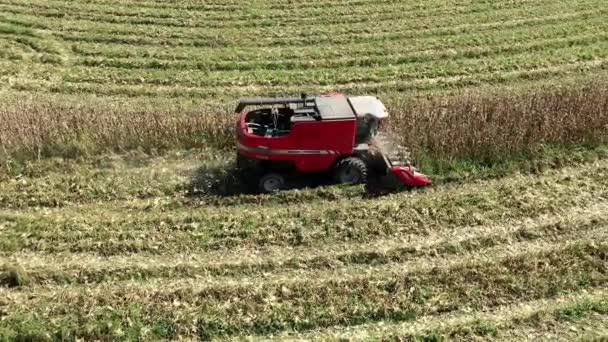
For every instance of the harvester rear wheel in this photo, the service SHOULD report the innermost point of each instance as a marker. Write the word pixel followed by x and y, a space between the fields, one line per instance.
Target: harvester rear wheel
pixel 351 170
pixel 271 182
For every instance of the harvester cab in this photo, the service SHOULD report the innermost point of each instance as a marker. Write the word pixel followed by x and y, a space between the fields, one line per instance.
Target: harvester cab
pixel 283 138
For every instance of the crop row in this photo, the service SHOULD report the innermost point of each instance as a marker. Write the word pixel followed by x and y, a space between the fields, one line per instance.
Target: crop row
pixel 290 26
pixel 338 73
pixel 387 87
pixel 10 50
pixel 255 40
pixel 388 55
pixel 439 248
pixel 569 317
pixel 247 16
pixel 105 232
pixel 354 83
pixel 308 303
pixel 210 8
pixel 488 38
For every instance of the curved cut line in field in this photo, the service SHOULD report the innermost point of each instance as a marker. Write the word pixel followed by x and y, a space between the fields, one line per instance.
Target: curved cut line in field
pixel 220 14
pixel 372 274
pixel 302 24
pixel 581 182
pixel 365 49
pixel 393 87
pixel 533 227
pixel 358 87
pixel 393 58
pixel 600 63
pixel 29 25
pixel 331 39
pixel 589 246
pixel 249 268
pixel 308 42
pixel 113 15
pixel 122 188
pixel 102 232
pixel 511 315
pixel 208 8
pixel 575 47
pixel 400 55
pixel 380 292
pixel 85 15
pixel 13 50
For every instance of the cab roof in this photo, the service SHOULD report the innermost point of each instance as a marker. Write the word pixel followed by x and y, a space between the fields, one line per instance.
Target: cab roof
pixel 334 107
pixel 328 107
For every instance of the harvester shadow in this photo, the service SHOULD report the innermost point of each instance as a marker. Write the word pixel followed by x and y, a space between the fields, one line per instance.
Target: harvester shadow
pixel 221 181
pixel 224 181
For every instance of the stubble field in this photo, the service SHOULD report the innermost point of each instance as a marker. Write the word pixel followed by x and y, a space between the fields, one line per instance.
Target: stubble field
pixel 115 114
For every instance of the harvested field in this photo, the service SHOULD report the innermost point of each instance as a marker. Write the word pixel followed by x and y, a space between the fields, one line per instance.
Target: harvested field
pixel 115 126
pixel 511 257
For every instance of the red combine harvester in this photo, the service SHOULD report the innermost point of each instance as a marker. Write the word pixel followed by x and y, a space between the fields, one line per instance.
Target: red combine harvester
pixel 287 137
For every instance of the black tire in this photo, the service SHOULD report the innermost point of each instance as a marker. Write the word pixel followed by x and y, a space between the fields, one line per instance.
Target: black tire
pixel 350 170
pixel 271 182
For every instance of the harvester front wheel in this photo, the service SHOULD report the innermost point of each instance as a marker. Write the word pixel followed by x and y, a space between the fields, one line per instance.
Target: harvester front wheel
pixel 271 182
pixel 351 170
